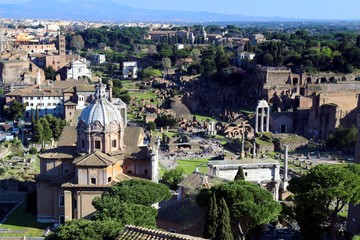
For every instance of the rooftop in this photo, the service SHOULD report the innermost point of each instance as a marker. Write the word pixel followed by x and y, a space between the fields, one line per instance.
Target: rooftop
pixel 142 233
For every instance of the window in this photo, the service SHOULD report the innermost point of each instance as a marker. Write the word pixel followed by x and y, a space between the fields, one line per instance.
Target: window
pixel 114 143
pixel 93 180
pixel 109 179
pixel 61 200
pixel 97 145
pixel 245 173
pixel 61 219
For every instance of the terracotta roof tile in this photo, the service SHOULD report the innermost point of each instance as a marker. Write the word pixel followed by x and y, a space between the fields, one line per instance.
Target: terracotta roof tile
pixel 143 233
pixel 133 136
pixel 68 136
pixel 97 159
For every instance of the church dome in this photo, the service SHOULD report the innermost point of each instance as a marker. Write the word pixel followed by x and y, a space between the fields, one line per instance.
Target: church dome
pixel 100 110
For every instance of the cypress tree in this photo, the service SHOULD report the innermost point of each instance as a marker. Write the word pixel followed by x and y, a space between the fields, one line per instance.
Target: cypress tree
pixel 47 130
pixel 37 114
pixel 38 136
pixel 211 219
pixel 240 174
pixel 32 118
pixel 223 231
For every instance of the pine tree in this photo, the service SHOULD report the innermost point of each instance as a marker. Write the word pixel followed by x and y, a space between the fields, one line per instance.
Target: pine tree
pixel 223 231
pixel 240 174
pixel 212 219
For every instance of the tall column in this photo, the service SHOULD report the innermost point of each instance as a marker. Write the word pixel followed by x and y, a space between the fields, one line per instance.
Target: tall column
pixel 257 120
pixel 68 205
pixel 267 119
pixel 286 151
pixel 254 149
pixel 242 155
pixel 262 120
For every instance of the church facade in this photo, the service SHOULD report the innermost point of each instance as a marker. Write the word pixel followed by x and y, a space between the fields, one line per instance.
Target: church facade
pixel 99 152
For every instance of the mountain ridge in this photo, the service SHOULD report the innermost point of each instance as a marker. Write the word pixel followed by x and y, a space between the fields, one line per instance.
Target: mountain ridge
pixel 107 10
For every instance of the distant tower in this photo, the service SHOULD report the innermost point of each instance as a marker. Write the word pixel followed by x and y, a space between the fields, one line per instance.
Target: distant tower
pixel 62 50
pixel 62 45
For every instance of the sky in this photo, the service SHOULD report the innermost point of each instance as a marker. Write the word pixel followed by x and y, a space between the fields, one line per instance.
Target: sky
pixel 303 9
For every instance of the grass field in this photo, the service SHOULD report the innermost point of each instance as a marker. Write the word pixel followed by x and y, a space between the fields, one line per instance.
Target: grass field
pixel 21 220
pixel 189 165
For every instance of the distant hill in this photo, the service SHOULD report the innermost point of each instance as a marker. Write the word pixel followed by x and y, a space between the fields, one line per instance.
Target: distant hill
pixel 106 10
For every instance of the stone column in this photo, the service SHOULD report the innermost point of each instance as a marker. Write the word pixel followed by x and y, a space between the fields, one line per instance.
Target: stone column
pixel 268 119
pixel 286 150
pixel 262 120
pixel 254 149
pixel 257 120
pixel 276 193
pixel 242 155
pixel 67 205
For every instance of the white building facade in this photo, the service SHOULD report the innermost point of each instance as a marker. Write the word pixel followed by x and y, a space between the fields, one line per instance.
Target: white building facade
pixel 78 70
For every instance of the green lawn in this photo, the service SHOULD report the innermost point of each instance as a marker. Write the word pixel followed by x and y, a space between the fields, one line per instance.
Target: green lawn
pixel 189 165
pixel 22 220
pixel 201 117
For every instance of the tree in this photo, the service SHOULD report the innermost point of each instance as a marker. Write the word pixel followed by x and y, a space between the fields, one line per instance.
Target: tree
pixel 222 58
pixel 164 120
pixel 166 62
pixel 32 118
pixel 223 231
pixel 77 42
pixel 173 177
pixel 268 59
pixel 150 72
pixel 151 126
pixel 37 116
pixel 50 73
pixel 164 50
pixel 240 174
pixel 325 190
pixel 47 131
pixel 38 136
pixel 81 229
pixel 15 111
pixel 33 151
pixel 343 139
pixel 250 205
pixel 129 202
pixel 212 218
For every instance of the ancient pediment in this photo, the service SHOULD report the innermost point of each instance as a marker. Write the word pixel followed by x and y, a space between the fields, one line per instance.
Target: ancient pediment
pixel 96 159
